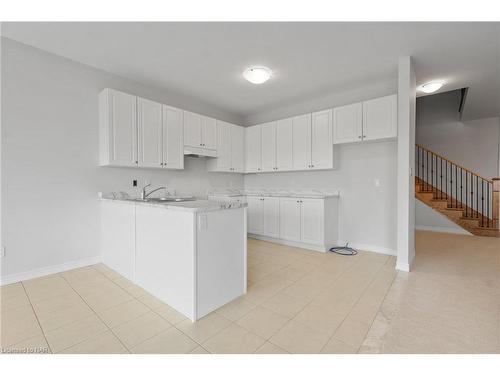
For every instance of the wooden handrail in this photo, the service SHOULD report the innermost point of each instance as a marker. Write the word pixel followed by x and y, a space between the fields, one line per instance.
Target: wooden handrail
pixel 452 162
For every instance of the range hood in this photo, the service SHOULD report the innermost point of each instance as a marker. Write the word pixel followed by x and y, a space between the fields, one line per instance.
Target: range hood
pixel 199 152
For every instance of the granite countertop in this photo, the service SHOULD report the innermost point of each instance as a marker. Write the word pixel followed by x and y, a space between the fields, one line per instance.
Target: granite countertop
pixel 189 206
pixel 304 193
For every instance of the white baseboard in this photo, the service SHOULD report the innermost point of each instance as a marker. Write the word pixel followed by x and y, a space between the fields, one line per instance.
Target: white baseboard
pixel 403 267
pixel 442 229
pixel 45 271
pixel 368 247
pixel 279 241
pixel 357 246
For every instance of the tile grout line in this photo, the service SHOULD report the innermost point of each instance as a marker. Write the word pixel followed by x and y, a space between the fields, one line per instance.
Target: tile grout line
pixel 350 310
pixel 150 310
pixel 308 304
pixel 378 311
pixel 36 317
pixel 98 317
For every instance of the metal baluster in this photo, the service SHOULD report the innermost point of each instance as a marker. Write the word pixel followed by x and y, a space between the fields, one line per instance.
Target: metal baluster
pixel 488 205
pixel 427 167
pixel 456 186
pixel 477 197
pixel 466 193
pixel 461 189
pixel 441 179
pixel 482 202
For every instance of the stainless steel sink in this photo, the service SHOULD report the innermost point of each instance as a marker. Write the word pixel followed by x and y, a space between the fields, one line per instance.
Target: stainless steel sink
pixel 165 199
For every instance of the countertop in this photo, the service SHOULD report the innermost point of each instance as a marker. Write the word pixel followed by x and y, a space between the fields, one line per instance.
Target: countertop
pixel 304 193
pixel 189 206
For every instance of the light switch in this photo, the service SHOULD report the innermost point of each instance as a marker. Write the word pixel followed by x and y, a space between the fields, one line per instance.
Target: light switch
pixel 377 182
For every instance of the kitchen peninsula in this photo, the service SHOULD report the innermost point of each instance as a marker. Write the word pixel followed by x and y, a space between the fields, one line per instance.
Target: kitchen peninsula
pixel 191 255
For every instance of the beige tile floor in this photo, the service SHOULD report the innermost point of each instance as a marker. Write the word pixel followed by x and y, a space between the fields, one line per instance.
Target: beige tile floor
pixel 298 301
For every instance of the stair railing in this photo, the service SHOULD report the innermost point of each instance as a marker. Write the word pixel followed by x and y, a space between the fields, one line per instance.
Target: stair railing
pixel 460 187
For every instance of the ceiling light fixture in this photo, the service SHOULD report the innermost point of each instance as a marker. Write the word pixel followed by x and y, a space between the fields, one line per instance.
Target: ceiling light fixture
pixel 257 74
pixel 431 87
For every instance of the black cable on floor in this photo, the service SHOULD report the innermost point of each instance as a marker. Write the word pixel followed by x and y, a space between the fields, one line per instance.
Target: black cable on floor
pixel 343 250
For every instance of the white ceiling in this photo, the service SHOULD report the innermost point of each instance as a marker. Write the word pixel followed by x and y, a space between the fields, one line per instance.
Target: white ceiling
pixel 205 60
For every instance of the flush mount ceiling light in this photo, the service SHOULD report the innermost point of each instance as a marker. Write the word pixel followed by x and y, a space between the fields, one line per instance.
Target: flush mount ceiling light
pixel 431 87
pixel 257 74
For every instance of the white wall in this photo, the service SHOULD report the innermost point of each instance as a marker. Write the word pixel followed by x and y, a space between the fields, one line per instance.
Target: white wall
pixel 367 211
pixel 426 218
pixel 50 176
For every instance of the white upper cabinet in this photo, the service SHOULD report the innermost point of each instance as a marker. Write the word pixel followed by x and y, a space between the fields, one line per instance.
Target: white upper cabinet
pixel 321 140
pixel 139 132
pixel 380 118
pixel 223 161
pixel 237 148
pixel 150 124
pixel 302 142
pixel 208 133
pixel 230 149
pixel 268 146
pixel 284 145
pixel 173 137
pixel 348 123
pixel 192 129
pixel 253 149
pixel 200 131
pixel 118 128
pixel 370 120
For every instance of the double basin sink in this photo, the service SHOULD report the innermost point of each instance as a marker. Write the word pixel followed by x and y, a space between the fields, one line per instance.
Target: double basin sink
pixel 164 199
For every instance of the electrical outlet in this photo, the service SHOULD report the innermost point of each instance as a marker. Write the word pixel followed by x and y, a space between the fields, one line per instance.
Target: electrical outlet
pixel 134 183
pixel 2 251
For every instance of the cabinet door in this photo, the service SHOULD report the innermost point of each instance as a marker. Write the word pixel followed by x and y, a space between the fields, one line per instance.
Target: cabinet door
pixel 347 123
pixel 284 145
pixel 150 123
pixel 223 146
pixel 252 149
pixel 208 133
pixel 237 148
pixel 268 146
pixel 173 138
pixel 290 219
pixel 271 214
pixel 321 140
pixel 123 128
pixel 312 221
pixel 302 142
pixel 380 118
pixel 255 215
pixel 192 129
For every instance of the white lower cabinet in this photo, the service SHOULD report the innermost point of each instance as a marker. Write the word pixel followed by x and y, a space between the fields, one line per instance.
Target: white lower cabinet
pixel 311 223
pixel 271 216
pixel 264 216
pixel 255 222
pixel 312 215
pixel 302 220
pixel 290 219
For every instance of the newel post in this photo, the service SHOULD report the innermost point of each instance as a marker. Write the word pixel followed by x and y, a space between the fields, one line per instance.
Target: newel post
pixel 496 201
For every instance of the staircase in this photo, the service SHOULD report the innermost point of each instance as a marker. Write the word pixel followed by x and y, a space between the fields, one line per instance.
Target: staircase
pixel 464 197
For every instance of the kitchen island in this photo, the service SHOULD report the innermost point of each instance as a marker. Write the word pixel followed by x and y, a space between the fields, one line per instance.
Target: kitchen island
pixel 191 255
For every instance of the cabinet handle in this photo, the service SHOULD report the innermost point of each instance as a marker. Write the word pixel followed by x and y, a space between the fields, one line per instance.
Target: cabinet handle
pixel 364 136
pixel 359 136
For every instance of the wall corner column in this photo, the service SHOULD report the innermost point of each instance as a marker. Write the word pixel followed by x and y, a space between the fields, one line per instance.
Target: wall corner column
pixel 405 165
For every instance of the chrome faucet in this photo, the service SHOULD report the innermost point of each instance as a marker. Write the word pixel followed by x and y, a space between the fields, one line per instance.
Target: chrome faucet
pixel 144 195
